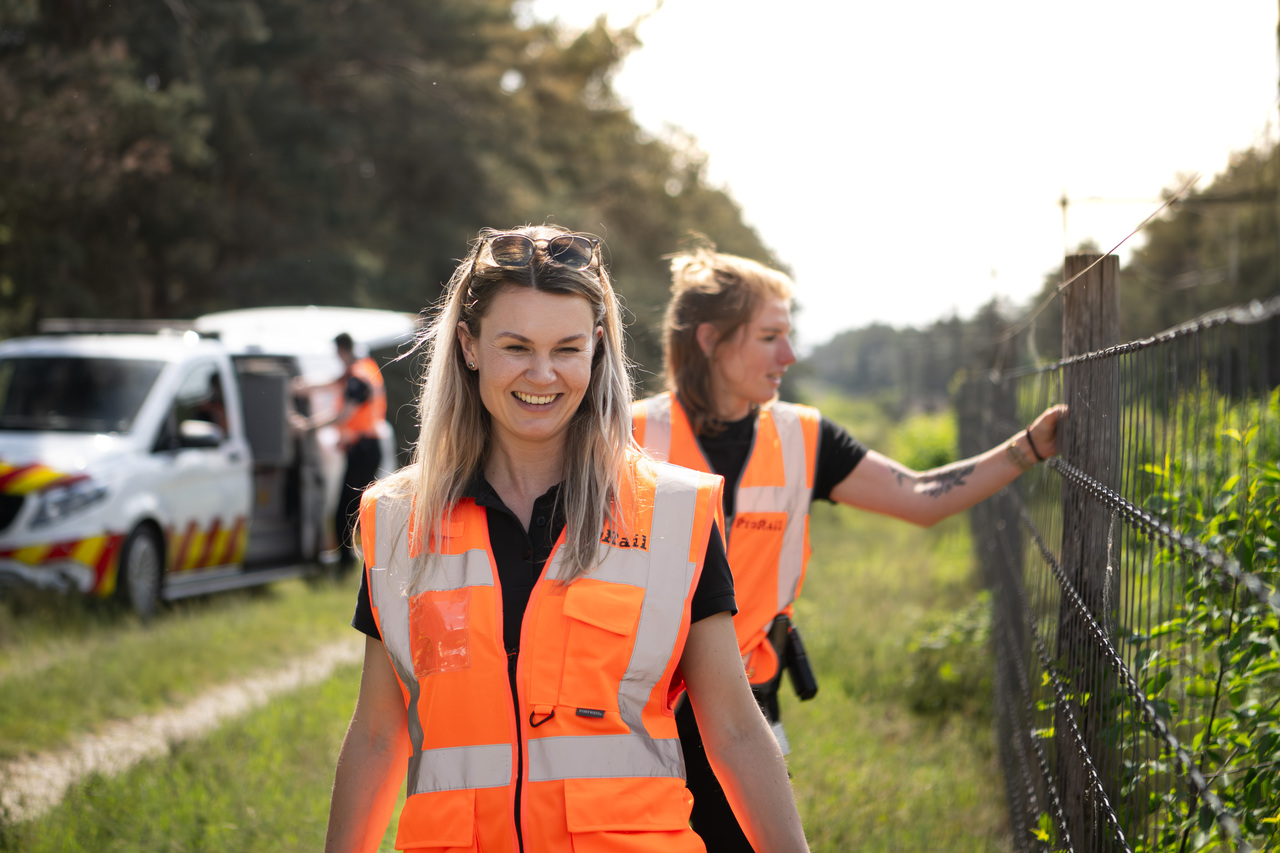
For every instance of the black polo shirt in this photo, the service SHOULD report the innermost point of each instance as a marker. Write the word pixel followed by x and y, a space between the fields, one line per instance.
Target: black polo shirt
pixel 520 555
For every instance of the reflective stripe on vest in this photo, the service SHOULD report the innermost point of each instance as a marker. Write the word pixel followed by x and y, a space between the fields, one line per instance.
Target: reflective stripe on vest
pixel 654 422
pixel 664 429
pixel 663 570
pixel 793 498
pixel 483 766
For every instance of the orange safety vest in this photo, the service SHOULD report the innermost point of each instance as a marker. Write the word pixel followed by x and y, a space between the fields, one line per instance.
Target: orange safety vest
pixel 364 420
pixel 591 747
pixel 768 537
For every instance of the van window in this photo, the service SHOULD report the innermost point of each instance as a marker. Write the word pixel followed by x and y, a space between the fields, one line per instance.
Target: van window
pixel 73 393
pixel 200 397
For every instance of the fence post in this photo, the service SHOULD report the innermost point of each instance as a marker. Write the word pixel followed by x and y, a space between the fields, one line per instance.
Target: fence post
pixel 1090 442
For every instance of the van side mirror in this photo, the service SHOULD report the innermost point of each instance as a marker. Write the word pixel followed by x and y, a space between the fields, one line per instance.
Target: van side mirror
pixel 196 433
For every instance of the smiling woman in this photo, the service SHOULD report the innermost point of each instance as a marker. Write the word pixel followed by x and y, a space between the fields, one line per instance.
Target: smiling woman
pixel 532 361
pixel 538 591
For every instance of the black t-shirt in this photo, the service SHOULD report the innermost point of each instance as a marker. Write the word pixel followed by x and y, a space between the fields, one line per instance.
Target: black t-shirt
pixel 520 556
pixel 838 454
pixel 355 390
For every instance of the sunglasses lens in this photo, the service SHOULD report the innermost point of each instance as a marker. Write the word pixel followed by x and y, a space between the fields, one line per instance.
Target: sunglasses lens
pixel 570 250
pixel 511 250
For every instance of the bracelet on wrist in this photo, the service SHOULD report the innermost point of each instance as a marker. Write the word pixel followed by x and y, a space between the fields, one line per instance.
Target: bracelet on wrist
pixel 1032 444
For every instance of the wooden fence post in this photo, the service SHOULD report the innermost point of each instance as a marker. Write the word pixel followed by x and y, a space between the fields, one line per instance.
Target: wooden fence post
pixel 1090 442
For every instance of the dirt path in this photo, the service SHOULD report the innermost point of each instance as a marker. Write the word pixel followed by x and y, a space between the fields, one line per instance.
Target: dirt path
pixel 33 785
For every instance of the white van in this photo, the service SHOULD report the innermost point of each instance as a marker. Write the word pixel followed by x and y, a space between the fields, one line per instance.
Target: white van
pixel 152 466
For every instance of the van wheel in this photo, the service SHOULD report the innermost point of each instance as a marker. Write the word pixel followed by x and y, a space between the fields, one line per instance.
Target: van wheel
pixel 141 571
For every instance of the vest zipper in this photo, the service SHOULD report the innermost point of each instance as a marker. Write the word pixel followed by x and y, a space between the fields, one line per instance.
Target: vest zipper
pixel 526 641
pixel 515 699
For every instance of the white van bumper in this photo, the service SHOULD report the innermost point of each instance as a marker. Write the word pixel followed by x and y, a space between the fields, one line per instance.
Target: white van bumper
pixel 58 575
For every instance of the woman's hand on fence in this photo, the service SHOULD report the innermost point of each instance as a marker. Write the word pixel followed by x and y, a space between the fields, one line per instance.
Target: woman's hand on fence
pixel 1043 432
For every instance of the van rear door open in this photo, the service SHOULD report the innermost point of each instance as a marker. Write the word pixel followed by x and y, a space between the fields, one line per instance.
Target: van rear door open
pixel 287 513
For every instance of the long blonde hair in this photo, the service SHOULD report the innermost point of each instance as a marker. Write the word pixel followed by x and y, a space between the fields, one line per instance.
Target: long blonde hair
pixel 725 291
pixel 455 433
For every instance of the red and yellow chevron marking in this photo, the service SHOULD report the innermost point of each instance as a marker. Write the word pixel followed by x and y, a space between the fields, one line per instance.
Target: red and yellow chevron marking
pixel 210 549
pixel 99 553
pixel 235 542
pixel 197 548
pixel 24 479
pixel 180 546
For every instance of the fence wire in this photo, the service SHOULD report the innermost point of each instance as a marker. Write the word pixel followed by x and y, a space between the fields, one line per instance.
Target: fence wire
pixel 1136 620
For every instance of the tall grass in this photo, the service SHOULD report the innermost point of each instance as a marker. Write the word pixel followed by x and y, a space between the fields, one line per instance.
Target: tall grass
pixel 869 772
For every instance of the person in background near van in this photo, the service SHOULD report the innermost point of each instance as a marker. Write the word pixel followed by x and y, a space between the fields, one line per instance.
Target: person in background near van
pixel 213 408
pixel 537 592
pixel 727 345
pixel 364 406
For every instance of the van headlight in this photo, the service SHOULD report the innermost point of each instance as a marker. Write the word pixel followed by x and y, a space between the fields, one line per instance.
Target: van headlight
pixel 59 503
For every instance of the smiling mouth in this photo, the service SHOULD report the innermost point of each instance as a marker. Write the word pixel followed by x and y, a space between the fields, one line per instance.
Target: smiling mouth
pixel 534 399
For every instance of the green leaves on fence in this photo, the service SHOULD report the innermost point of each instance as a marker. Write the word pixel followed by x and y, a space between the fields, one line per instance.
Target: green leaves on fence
pixel 1210 664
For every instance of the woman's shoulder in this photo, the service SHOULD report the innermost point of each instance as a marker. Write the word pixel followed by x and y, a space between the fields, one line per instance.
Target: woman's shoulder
pixel 659 471
pixel 802 409
pixel 396 486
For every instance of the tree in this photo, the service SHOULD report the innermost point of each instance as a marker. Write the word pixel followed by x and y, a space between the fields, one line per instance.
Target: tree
pixel 1215 248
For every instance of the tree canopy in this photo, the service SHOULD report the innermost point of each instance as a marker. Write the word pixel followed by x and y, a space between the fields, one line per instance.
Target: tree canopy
pixel 164 160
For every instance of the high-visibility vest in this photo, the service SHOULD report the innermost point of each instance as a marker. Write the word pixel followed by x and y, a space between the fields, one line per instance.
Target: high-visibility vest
pixel 768 535
pixel 591 748
pixel 363 422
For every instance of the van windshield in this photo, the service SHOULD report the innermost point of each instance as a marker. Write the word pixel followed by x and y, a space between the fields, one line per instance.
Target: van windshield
pixel 73 393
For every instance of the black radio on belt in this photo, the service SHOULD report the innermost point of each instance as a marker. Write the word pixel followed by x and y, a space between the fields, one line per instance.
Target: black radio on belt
pixel 786 641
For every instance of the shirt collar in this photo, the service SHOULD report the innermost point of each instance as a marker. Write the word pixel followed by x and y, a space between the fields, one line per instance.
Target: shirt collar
pixel 484 495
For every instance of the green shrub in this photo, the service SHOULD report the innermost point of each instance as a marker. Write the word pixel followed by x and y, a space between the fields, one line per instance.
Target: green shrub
pixel 951 662
pixel 925 441
pixel 1210 663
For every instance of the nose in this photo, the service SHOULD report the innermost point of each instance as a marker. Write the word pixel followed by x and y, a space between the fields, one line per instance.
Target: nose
pixel 540 370
pixel 786 352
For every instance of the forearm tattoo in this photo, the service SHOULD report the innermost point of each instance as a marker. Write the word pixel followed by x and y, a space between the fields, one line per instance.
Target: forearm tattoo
pixel 944 481
pixel 1017 456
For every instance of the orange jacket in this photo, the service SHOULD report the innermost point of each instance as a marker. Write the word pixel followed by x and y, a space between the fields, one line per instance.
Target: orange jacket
pixel 591 747
pixel 364 420
pixel 768 537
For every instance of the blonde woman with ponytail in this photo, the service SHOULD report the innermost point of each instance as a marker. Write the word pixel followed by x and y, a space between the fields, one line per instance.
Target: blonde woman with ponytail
pixel 537 591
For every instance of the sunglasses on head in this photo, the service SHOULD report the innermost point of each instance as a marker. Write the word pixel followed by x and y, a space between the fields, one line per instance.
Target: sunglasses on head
pixel 574 251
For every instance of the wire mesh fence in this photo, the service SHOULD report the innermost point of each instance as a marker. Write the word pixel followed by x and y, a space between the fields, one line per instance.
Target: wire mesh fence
pixel 1135 626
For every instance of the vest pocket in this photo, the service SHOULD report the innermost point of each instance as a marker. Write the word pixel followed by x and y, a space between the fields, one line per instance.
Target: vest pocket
pixel 629 814
pixel 440 631
pixel 601 627
pixel 437 821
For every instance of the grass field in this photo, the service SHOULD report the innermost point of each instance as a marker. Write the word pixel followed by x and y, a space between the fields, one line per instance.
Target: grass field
pixel 871 772
pixel 68 665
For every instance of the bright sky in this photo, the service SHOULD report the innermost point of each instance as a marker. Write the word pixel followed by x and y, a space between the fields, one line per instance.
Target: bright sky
pixel 907 159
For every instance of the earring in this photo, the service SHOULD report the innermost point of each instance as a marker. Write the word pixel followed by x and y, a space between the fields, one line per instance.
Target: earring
pixel 471 364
